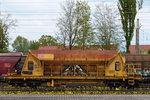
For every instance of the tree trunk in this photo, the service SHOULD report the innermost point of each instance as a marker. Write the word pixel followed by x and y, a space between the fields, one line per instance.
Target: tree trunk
pixel 70 40
pixel 64 45
pixel 83 47
pixel 127 46
pixel 70 47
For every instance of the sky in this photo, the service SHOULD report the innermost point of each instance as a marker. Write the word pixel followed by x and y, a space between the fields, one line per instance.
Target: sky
pixel 39 17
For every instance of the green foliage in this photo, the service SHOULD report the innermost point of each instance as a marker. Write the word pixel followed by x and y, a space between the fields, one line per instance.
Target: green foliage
pixel 34 45
pixel 148 51
pixel 85 34
pixel 47 40
pixel 66 25
pixel 123 52
pixel 141 52
pixel 128 11
pixel 5 25
pixel 74 25
pixel 3 39
pixel 21 44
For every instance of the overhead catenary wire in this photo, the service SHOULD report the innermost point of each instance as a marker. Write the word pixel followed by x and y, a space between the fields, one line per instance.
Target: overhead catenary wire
pixel 37 13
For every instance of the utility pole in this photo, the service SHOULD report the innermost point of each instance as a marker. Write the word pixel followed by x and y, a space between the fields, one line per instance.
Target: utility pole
pixel 137 37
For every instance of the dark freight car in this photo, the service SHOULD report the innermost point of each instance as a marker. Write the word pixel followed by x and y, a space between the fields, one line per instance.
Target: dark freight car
pixel 9 63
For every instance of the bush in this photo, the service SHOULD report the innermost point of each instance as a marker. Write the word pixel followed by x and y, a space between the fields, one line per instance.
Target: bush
pixel 148 51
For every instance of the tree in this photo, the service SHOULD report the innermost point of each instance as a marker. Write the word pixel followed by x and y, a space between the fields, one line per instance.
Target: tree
pixel 47 40
pixel 108 35
pixel 128 10
pixel 74 25
pixel 86 33
pixel 66 24
pixel 21 44
pixel 5 24
pixel 148 52
pixel 34 45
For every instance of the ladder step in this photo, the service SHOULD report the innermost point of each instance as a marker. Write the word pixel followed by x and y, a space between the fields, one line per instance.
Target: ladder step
pixel 131 78
pixel 131 82
pixel 131 73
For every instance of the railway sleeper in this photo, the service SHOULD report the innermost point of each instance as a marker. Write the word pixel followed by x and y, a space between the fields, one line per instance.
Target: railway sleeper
pixel 116 83
pixel 24 83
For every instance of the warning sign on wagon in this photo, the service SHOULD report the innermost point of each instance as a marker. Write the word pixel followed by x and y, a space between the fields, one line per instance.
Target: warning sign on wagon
pixel 46 56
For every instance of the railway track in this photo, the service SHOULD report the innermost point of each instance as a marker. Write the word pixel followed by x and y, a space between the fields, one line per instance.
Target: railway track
pixel 8 89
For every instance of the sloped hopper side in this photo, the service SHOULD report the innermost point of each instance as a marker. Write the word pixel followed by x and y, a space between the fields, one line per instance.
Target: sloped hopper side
pixel 8 62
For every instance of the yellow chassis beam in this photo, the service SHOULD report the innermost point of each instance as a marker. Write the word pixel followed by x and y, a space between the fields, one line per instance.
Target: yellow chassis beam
pixel 68 77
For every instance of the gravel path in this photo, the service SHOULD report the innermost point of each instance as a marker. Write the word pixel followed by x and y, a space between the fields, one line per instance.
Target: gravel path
pixel 74 97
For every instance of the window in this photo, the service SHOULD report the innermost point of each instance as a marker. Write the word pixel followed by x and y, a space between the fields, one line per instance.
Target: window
pixel 30 65
pixel 117 66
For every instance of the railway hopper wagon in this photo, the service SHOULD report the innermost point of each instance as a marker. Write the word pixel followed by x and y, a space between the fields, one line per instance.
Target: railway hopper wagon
pixel 9 64
pixel 64 67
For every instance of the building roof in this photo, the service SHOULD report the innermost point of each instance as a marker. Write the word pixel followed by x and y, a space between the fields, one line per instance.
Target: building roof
pixel 141 47
pixel 48 48
pixel 15 53
pixel 76 55
pixel 10 55
pixel 52 47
